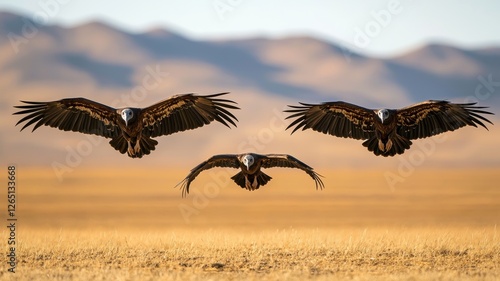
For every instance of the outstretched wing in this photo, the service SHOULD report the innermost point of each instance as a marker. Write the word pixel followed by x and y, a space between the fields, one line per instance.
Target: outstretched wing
pixel 288 161
pixel 431 117
pixel 222 160
pixel 340 119
pixel 187 112
pixel 72 114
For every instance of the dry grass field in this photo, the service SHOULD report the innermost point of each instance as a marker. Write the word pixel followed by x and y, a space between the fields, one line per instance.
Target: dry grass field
pixel 225 254
pixel 133 225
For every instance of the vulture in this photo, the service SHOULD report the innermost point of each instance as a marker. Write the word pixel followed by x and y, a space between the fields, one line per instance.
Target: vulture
pixel 130 129
pixel 250 177
pixel 386 132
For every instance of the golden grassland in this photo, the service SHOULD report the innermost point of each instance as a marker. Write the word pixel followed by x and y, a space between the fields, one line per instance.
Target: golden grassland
pixel 133 225
pixel 322 254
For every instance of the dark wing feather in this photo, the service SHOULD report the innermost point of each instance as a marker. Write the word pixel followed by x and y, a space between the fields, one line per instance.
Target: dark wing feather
pixel 222 160
pixel 288 161
pixel 186 112
pixel 72 114
pixel 338 119
pixel 430 118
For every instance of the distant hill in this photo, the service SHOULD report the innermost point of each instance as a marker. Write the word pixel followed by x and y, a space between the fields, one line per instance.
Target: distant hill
pixel 109 65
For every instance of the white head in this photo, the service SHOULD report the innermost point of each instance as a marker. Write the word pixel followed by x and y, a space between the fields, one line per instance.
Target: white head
pixel 127 114
pixel 383 114
pixel 248 160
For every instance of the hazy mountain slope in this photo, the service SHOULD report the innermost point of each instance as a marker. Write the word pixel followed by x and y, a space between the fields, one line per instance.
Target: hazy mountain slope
pixel 112 66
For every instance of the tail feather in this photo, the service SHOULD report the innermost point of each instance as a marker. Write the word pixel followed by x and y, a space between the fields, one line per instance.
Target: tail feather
pixel 400 144
pixel 372 145
pixel 251 182
pixel 119 143
pixel 395 145
pixel 147 145
pixel 239 179
pixel 133 148
pixel 263 179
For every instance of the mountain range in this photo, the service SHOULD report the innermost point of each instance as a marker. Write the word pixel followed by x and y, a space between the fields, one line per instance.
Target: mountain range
pixel 120 68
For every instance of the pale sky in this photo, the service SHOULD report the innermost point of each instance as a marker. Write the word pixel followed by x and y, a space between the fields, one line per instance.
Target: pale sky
pixel 376 27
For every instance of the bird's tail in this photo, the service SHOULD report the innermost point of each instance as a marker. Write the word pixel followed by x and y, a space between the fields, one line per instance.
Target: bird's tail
pixel 400 144
pixel 251 182
pixel 134 148
pixel 119 143
pixel 396 144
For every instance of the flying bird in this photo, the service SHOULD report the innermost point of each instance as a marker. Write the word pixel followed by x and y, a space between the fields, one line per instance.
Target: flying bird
pixel 130 129
pixel 250 177
pixel 386 132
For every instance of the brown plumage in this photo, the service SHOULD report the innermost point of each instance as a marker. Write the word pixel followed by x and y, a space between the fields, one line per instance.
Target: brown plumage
pixel 250 177
pixel 386 132
pixel 131 129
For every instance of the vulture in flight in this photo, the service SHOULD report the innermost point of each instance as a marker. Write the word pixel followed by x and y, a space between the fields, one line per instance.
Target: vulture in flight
pixel 250 177
pixel 130 129
pixel 386 132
